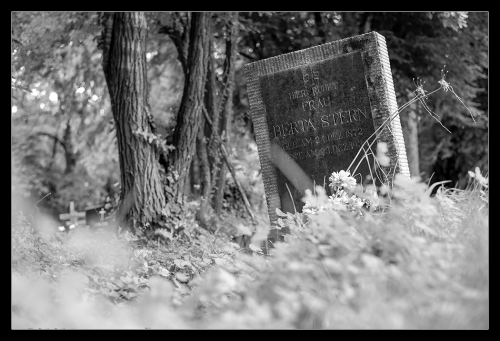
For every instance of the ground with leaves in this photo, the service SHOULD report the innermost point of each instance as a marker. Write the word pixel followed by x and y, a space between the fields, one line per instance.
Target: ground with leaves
pixel 411 261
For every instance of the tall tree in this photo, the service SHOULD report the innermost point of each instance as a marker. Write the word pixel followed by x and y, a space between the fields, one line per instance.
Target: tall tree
pixel 190 111
pixel 226 105
pixel 213 134
pixel 124 64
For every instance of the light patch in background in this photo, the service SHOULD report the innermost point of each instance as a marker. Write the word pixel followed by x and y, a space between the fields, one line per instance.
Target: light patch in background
pixel 382 157
pixel 53 97
pixel 14 109
pixel 150 55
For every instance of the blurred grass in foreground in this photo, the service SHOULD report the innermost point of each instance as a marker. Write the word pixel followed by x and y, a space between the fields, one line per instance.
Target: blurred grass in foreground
pixel 421 262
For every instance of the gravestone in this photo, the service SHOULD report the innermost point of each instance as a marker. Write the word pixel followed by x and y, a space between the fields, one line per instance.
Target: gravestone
pixel 73 215
pixel 312 110
pixel 94 215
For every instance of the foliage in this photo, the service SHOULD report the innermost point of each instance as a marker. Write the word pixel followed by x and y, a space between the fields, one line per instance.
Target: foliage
pixel 57 78
pixel 420 264
pixel 57 60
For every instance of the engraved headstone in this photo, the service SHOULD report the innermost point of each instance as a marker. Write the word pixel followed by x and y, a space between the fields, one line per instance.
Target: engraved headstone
pixel 312 110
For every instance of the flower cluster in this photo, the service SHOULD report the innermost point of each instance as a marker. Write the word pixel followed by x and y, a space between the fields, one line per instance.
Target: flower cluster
pixel 340 182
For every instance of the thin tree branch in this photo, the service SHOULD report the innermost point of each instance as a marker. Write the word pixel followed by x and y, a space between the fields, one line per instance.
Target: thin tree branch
pixel 247 55
pixel 231 169
pixel 233 173
pixel 42 133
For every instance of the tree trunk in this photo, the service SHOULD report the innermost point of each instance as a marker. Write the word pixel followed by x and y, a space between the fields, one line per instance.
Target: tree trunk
pixel 320 27
pixel 190 111
pixel 69 150
pixel 207 141
pixel 194 174
pixel 409 123
pixel 124 62
pixel 201 146
pixel 227 110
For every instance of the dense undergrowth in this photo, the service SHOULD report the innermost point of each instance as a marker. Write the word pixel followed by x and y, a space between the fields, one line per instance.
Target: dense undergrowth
pixel 402 259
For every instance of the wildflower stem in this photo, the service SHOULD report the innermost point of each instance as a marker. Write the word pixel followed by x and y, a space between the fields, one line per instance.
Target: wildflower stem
pixel 381 127
pixel 377 132
pixel 293 203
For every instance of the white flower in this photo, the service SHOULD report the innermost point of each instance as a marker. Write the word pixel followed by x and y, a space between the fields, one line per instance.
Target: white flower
pixel 355 202
pixel 479 177
pixel 310 208
pixel 342 179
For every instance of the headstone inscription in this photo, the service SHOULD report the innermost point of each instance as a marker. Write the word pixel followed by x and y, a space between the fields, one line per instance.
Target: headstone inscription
pixel 312 110
pixel 73 215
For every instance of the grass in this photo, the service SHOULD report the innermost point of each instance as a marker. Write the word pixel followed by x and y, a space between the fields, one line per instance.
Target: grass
pixel 423 264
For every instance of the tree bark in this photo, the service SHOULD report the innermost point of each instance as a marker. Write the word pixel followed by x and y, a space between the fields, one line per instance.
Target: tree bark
pixel 188 118
pixel 320 27
pixel 205 176
pixel 179 33
pixel 124 62
pixel 69 150
pixel 207 140
pixel 227 109
pixel 194 174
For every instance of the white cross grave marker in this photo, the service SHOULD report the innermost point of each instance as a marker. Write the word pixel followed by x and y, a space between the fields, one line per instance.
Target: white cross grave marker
pixel 102 212
pixel 73 215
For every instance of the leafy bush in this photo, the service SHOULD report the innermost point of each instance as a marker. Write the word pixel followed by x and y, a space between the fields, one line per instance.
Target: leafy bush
pixel 402 259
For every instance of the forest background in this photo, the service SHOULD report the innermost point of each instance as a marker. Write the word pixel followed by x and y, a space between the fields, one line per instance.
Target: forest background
pixel 188 102
pixel 148 112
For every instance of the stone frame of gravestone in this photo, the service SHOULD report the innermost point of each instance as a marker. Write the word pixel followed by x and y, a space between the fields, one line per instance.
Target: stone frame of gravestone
pixel 280 84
